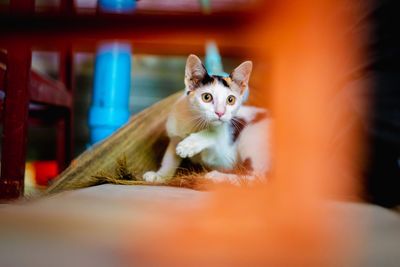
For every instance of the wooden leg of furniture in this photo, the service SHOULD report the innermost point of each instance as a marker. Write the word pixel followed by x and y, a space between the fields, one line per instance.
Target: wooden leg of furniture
pixel 15 122
pixel 63 141
pixel 65 126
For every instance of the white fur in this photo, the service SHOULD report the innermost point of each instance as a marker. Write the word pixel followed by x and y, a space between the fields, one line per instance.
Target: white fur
pixel 254 143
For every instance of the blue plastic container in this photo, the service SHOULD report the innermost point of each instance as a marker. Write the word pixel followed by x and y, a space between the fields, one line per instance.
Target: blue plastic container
pixel 213 60
pixel 117 6
pixel 214 63
pixel 110 102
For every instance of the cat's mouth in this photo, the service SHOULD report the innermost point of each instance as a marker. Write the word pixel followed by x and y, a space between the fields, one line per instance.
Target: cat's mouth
pixel 218 121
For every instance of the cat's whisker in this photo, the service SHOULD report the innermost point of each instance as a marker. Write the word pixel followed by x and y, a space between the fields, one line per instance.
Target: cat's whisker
pixel 203 124
pixel 235 125
pixel 240 122
pixel 194 121
pixel 198 124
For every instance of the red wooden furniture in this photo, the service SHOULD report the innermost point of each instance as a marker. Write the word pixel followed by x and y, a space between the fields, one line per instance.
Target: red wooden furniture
pixel 30 98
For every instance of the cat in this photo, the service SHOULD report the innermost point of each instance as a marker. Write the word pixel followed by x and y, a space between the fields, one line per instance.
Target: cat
pixel 210 126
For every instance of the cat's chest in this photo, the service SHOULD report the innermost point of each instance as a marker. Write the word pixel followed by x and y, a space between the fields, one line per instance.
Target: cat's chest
pixel 222 154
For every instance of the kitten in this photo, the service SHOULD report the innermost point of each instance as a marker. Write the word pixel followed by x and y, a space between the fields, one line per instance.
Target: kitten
pixel 209 125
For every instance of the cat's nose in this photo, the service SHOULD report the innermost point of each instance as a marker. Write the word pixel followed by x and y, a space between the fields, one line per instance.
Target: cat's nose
pixel 219 114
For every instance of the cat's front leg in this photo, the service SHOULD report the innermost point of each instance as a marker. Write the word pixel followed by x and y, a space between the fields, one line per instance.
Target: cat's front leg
pixel 169 164
pixel 194 144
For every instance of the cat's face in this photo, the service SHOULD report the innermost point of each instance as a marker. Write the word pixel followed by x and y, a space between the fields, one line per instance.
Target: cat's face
pixel 215 99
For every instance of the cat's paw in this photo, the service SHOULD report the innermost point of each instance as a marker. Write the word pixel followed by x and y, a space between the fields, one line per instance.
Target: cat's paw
pixel 220 177
pixel 188 148
pixel 153 177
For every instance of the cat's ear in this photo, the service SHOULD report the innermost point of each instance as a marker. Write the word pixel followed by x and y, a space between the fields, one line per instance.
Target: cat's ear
pixel 241 75
pixel 194 72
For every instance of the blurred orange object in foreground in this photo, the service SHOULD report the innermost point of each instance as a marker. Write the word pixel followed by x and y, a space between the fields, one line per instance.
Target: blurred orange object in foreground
pixel 284 222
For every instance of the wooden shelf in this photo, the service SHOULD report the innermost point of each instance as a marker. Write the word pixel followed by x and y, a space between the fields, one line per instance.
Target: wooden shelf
pixel 45 90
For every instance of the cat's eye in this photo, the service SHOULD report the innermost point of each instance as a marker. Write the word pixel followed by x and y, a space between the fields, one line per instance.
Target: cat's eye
pixel 206 97
pixel 231 100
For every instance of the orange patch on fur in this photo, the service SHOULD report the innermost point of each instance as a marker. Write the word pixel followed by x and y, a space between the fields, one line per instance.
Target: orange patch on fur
pixel 228 81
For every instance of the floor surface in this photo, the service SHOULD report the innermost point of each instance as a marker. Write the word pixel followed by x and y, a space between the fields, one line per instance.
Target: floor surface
pixel 95 226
